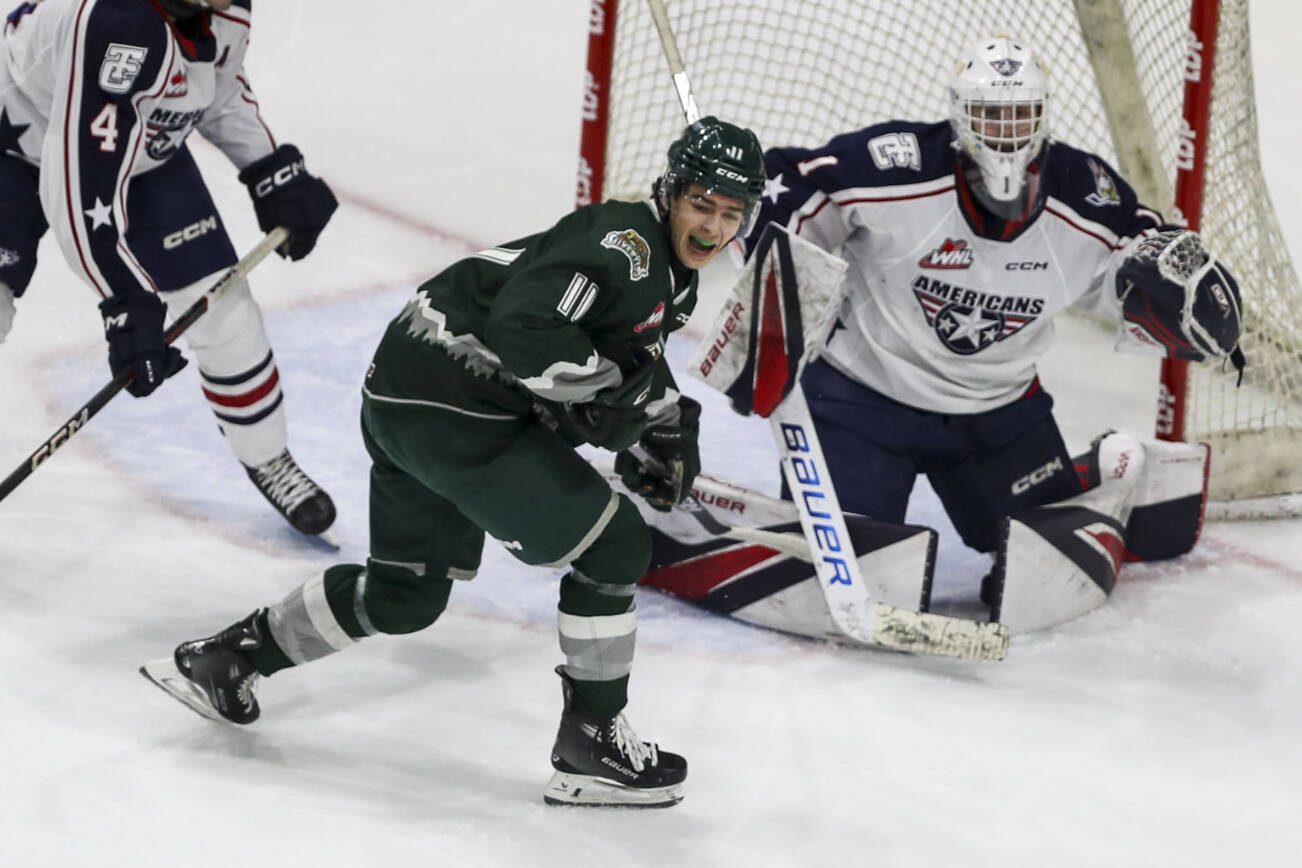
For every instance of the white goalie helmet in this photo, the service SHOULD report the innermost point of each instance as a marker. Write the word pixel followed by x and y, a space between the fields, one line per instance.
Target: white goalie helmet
pixel 999 100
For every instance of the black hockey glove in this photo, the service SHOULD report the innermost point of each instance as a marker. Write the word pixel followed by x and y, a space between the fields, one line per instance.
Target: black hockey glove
pixel 284 194
pixel 1176 296
pixel 664 476
pixel 615 417
pixel 133 327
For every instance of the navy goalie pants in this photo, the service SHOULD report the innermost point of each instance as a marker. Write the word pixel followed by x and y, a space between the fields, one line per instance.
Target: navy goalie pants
pixel 983 466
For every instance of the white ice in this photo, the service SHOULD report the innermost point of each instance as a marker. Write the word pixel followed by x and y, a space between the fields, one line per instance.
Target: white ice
pixel 1162 729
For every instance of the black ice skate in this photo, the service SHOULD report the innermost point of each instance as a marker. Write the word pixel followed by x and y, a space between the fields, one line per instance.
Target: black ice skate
pixel 600 762
pixel 213 676
pixel 293 493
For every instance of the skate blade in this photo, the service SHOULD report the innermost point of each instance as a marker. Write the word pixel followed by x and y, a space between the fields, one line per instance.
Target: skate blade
pixel 586 791
pixel 164 674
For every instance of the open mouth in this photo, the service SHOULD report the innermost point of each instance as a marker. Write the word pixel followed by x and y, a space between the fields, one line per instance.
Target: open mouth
pixel 700 246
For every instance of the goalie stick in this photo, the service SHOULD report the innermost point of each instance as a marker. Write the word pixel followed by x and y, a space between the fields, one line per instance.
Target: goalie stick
pixel 100 399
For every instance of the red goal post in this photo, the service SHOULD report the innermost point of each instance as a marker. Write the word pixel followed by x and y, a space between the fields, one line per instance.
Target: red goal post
pixel 1162 88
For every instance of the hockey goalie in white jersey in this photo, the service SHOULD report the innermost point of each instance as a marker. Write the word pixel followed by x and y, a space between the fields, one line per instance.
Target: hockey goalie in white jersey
pixel 97 99
pixel 963 239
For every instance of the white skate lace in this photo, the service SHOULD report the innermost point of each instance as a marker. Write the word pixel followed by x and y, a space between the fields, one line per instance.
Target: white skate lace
pixel 284 482
pixel 244 690
pixel 639 753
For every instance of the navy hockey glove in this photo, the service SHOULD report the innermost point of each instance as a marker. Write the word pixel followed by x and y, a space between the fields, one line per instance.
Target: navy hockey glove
pixel 1175 296
pixel 133 327
pixel 284 194
pixel 663 476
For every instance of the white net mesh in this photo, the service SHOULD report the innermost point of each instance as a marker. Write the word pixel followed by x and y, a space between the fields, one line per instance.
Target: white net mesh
pixel 800 71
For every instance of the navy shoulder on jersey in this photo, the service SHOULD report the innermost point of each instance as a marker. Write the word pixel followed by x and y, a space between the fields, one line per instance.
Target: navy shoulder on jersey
pixel 246 5
pixel 1089 186
pixel 890 154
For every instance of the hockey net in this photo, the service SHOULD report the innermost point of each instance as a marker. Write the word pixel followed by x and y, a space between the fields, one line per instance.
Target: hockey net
pixel 800 71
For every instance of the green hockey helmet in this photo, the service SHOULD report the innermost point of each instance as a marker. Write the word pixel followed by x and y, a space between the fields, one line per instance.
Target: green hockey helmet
pixel 721 157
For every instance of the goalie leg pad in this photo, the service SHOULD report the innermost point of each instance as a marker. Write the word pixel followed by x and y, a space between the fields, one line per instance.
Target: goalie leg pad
pixel 1170 495
pixel 1059 561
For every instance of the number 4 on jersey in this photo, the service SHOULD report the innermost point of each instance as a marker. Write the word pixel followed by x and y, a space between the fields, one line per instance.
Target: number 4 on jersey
pixel 105 127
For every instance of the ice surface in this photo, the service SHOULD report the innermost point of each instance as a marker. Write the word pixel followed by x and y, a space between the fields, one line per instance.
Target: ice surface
pixel 1160 730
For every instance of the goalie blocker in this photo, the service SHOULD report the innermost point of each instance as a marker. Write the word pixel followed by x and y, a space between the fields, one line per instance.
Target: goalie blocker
pixel 1059 561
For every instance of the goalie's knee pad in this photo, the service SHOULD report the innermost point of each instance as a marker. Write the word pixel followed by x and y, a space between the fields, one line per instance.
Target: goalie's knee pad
pixel 1059 561
pixel 1169 496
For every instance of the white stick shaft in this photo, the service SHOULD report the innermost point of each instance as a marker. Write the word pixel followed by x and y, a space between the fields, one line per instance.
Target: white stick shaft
pixel 848 599
pixel 682 84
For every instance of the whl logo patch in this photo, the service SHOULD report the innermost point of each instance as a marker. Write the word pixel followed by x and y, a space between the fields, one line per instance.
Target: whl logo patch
pixel 635 247
pixel 953 253
pixel 657 316
pixel 968 320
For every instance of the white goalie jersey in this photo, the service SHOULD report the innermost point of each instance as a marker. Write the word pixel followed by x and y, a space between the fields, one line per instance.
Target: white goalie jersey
pixel 946 308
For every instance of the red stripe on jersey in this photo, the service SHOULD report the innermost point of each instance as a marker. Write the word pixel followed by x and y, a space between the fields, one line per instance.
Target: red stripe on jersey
pixel 1064 218
pixel 245 399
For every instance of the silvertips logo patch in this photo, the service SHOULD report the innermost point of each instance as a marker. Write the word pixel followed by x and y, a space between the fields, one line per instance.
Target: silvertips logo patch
pixel 635 247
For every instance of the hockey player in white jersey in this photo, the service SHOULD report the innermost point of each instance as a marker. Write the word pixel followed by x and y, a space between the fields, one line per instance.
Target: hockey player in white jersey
pixel 97 99
pixel 964 238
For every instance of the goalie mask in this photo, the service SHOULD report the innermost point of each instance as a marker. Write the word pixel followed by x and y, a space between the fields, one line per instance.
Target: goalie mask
pixel 724 159
pixel 998 101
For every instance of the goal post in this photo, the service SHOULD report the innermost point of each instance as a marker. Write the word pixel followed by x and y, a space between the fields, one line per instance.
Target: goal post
pixel 1161 88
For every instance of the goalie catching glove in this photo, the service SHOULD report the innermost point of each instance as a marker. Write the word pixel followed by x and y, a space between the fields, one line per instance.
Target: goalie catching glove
pixel 1176 297
pixel 664 474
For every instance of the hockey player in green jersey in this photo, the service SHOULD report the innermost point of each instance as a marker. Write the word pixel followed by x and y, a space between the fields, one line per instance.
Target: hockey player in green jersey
pixel 477 395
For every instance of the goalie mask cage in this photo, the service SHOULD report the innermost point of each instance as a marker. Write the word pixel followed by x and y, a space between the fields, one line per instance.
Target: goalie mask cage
pixel 1161 88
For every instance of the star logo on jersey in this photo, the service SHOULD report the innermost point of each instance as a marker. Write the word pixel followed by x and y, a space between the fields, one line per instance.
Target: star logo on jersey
pixel 10 133
pixel 952 253
pixel 100 215
pixel 9 257
pixel 1006 66
pixel 968 320
pixel 773 188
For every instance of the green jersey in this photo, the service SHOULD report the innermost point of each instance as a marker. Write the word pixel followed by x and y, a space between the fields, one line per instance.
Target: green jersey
pixel 551 316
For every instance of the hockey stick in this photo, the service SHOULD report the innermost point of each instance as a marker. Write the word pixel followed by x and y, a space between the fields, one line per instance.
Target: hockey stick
pixel 682 84
pixel 786 543
pixel 64 432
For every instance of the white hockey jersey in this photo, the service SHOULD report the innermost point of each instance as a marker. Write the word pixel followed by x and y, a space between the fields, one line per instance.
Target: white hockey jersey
pixel 947 309
pixel 97 92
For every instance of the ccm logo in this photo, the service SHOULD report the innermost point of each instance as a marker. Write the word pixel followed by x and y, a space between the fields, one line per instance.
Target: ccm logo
pixel 1026 266
pixel 189 233
pixel 1036 476
pixel 809 489
pixel 278 178
pixel 60 437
